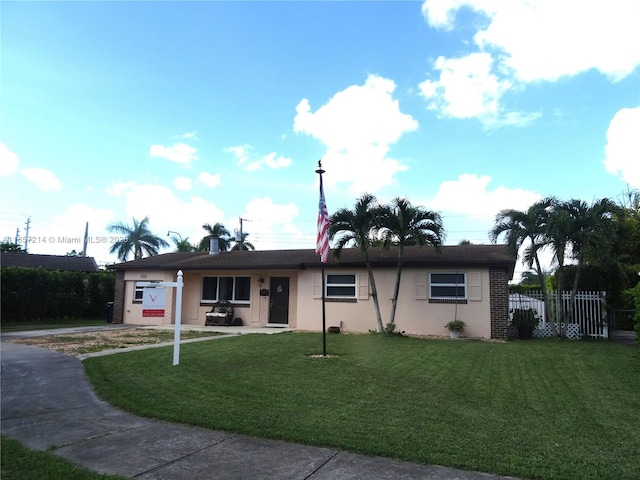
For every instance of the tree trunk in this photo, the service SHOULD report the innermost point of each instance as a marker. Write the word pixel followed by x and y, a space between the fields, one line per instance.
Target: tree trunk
pixel 562 327
pixel 374 294
pixel 545 297
pixel 396 290
pixel 574 289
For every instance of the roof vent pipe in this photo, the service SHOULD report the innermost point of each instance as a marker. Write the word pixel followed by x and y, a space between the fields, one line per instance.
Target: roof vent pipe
pixel 214 247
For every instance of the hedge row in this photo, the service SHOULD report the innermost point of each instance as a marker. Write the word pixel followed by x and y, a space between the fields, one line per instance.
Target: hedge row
pixel 36 294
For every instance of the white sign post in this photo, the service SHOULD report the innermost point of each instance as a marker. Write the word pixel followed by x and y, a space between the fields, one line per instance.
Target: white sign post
pixel 178 318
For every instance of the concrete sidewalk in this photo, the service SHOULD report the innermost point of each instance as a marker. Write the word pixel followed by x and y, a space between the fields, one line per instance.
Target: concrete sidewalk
pixel 48 403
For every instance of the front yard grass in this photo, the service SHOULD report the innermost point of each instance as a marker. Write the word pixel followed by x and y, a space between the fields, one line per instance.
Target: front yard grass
pixel 532 409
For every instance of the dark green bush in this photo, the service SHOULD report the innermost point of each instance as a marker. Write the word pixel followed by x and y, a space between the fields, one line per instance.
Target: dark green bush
pixel 37 294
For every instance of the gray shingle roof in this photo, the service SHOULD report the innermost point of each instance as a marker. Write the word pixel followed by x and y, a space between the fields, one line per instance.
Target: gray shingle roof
pixel 455 256
pixel 49 262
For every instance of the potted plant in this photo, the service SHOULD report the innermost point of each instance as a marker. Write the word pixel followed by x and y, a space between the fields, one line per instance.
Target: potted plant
pixel 525 320
pixel 456 327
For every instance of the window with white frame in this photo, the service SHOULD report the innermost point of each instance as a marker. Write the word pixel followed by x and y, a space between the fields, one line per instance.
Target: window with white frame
pixel 448 286
pixel 341 285
pixel 137 292
pixel 232 289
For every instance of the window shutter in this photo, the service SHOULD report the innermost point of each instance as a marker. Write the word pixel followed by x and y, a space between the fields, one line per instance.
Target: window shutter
pixel 475 286
pixel 317 285
pixel 363 286
pixel 421 285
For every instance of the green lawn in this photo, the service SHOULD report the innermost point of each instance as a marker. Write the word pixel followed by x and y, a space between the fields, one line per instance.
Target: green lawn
pixel 53 323
pixel 20 463
pixel 533 409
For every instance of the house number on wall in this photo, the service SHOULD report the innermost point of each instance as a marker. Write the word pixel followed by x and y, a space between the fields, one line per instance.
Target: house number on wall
pixel 279 289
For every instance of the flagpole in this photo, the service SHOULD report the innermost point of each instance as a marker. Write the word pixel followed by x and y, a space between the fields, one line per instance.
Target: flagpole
pixel 320 171
pixel 324 328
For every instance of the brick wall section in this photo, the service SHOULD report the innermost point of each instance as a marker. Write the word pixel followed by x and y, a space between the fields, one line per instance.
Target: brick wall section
pixel 118 298
pixel 499 303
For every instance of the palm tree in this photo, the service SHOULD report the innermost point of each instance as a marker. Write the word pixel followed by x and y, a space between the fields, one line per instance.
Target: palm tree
pixel 357 227
pixel 403 224
pixel 519 227
pixel 218 230
pixel 585 229
pixel 137 239
pixel 183 245
pixel 243 244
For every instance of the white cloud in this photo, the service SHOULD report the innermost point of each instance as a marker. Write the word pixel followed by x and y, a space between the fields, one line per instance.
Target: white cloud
pixel 358 125
pixel 189 136
pixel 178 153
pixel 271 225
pixel 182 183
pixel 270 161
pixel 623 146
pixel 241 152
pixel 209 180
pixel 518 42
pixel 8 161
pixel 165 210
pixel 64 232
pixel 43 178
pixel 466 88
pixel 469 195
pixel 549 39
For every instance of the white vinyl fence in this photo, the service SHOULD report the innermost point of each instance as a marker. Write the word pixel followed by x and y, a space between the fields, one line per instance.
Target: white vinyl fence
pixel 589 313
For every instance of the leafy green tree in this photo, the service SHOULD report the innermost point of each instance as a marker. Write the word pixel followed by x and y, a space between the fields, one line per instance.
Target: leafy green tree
pixel 217 230
pixel 357 228
pixel 10 247
pixel 137 239
pixel 402 224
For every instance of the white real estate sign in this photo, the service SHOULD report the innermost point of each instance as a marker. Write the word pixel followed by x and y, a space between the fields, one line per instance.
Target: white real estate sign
pixel 153 302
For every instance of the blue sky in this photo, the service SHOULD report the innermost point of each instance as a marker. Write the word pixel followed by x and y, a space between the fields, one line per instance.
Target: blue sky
pixel 207 112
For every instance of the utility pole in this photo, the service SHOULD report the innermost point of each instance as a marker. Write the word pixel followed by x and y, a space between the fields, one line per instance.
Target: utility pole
pixel 241 239
pixel 17 235
pixel 26 236
pixel 86 240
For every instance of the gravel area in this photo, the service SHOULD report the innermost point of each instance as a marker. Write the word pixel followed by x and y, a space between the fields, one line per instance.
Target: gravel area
pixel 81 343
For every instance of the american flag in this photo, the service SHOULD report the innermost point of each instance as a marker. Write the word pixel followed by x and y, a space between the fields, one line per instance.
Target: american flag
pixel 322 242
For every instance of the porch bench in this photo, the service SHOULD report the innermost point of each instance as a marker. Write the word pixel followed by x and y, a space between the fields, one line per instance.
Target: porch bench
pixel 220 315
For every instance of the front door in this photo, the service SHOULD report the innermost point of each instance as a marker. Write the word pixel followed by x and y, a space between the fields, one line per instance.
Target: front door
pixel 279 304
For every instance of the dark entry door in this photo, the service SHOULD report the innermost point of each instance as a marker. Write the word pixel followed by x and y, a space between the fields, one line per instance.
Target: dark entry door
pixel 279 306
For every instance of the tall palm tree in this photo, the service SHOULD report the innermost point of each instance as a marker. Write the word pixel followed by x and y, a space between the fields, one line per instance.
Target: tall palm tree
pixel 403 225
pixel 519 227
pixel 219 231
pixel 357 227
pixel 137 239
pixel 586 229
